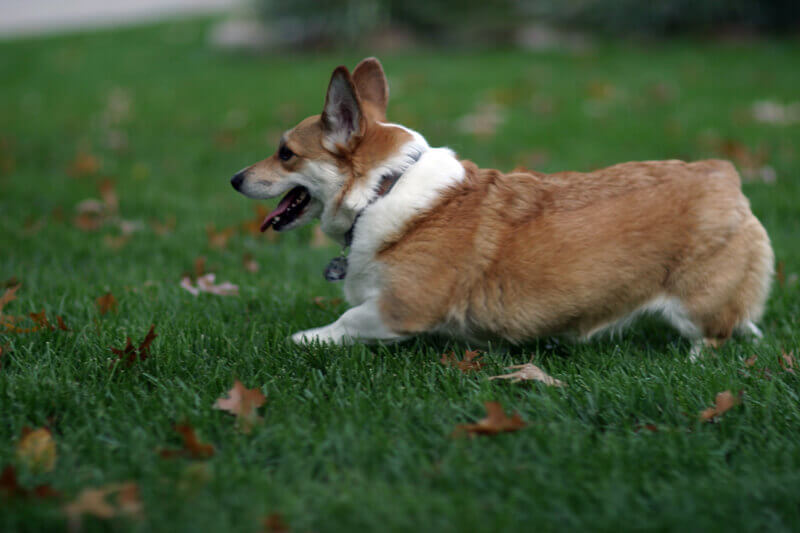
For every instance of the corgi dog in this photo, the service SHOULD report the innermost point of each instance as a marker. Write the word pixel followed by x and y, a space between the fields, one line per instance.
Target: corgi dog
pixel 437 244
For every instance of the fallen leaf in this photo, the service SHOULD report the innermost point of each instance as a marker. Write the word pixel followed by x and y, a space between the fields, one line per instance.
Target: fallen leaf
pixel 274 523
pixel 218 239
pixel 496 422
pixel 192 447
pixel 206 284
pixel 94 502
pixel 84 164
pixel 109 195
pixel 326 303
pixel 11 487
pixel 129 354
pixel 163 228
pixel 724 401
pixel 249 263
pixel 9 296
pixel 40 319
pixel 787 362
pixel 750 361
pixel 10 282
pixel 253 225
pixel 37 450
pixel 780 273
pixel 199 267
pixel 116 242
pixel 470 362
pixel 243 403
pixel 88 222
pixel 529 372
pixel 106 303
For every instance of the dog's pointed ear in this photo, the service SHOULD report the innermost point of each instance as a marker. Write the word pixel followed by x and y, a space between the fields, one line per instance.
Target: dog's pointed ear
pixel 342 117
pixel 372 87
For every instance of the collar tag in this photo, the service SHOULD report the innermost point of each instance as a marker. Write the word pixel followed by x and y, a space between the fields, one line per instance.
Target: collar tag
pixel 336 269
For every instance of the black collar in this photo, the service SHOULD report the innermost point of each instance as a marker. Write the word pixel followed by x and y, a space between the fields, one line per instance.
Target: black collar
pixel 385 185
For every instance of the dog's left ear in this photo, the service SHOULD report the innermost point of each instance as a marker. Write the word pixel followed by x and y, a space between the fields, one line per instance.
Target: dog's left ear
pixel 372 88
pixel 342 116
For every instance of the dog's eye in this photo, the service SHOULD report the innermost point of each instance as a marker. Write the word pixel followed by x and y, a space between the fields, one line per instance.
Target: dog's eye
pixel 284 153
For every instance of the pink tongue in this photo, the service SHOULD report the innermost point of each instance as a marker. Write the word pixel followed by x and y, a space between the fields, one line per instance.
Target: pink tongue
pixel 282 206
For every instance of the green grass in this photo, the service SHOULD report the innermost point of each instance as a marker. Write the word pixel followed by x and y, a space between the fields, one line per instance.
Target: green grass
pixel 359 438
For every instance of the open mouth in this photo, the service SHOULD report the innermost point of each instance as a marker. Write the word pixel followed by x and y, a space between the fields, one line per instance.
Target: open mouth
pixel 289 209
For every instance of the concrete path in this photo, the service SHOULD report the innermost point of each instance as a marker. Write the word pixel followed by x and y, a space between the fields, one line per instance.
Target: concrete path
pixel 32 17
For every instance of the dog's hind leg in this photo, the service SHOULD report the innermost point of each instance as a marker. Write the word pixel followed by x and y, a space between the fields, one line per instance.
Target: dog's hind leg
pixel 361 323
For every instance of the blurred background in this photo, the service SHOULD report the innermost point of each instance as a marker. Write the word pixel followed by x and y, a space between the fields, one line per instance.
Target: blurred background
pixel 166 99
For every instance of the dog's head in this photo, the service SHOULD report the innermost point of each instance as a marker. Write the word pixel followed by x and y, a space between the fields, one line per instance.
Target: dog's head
pixel 329 166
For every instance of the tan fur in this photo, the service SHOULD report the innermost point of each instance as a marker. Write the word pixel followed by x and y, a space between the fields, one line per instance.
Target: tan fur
pixel 525 254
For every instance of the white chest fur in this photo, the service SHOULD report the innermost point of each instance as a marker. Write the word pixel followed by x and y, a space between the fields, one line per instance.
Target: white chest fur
pixel 416 190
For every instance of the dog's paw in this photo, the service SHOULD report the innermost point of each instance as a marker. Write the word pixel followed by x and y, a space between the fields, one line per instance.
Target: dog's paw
pixel 311 336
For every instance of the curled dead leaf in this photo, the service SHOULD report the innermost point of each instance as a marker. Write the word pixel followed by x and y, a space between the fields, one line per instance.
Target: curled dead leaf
pixel 84 164
pixel 470 362
pixel 326 303
pixel 723 402
pixel 496 422
pixel 787 362
pixel 106 303
pixel 529 372
pixel 274 523
pixel 129 354
pixel 37 450
pixel 192 447
pixel 218 239
pixel 750 361
pixel 94 502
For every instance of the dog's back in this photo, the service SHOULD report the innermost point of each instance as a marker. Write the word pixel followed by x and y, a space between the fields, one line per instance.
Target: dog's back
pixel 525 254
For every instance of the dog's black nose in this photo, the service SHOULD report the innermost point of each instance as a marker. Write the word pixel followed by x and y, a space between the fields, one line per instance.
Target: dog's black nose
pixel 237 180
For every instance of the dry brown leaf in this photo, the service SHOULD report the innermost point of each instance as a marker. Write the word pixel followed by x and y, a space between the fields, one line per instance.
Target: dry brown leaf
pixel 529 372
pixel 787 362
pixel 109 195
pixel 163 228
pixel 250 263
pixel 780 273
pixel 37 450
pixel 10 487
pixel 750 361
pixel 40 319
pixel 206 284
pixel 326 303
pixel 274 523
pixel 10 282
pixel 88 222
pixel 470 362
pixel 199 266
pixel 192 447
pixel 106 303
pixel 724 401
pixel 129 354
pixel 496 422
pixel 84 164
pixel 9 296
pixel 94 502
pixel 243 403
pixel 218 239
pixel 116 242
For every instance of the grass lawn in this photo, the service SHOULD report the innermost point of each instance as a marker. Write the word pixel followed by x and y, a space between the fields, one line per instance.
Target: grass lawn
pixel 360 438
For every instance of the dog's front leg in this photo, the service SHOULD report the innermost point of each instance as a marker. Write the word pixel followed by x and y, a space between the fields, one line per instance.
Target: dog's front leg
pixel 361 323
